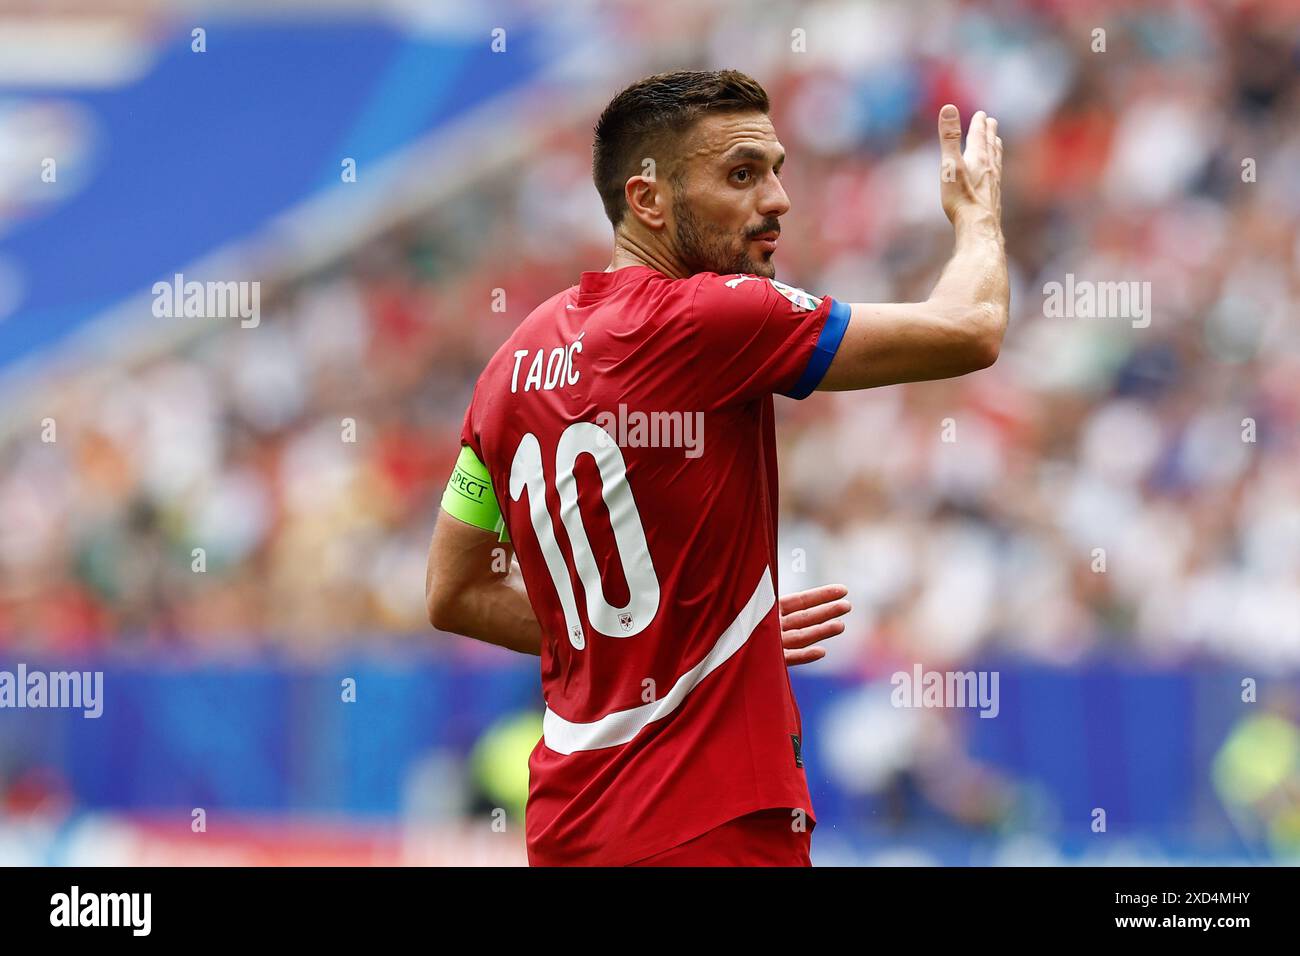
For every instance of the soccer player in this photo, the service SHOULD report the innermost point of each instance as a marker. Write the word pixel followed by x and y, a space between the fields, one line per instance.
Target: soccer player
pixel 620 448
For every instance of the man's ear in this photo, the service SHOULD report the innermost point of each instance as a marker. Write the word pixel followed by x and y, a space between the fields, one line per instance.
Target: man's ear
pixel 647 199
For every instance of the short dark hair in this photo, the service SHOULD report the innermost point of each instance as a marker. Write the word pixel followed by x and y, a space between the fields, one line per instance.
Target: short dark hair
pixel 652 115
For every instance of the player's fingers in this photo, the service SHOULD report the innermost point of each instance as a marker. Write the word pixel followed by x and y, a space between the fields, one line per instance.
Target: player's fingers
pixel 810 635
pixel 950 141
pixel 805 656
pixel 815 615
pixel 813 596
pixel 990 139
pixel 976 140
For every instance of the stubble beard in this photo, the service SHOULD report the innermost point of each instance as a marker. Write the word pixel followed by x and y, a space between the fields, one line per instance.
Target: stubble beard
pixel 705 248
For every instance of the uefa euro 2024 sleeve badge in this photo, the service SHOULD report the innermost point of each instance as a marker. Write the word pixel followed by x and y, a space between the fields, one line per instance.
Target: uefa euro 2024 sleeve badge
pixel 801 299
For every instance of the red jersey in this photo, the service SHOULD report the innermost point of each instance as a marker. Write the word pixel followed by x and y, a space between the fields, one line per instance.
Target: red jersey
pixel 627 426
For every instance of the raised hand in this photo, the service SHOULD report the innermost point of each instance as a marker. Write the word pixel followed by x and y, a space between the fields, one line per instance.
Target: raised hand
pixel 971 181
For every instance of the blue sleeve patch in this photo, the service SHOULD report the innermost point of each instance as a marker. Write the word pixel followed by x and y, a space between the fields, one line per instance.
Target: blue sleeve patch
pixel 837 320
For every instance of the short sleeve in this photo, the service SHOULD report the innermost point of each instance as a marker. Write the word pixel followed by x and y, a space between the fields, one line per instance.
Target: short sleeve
pixel 468 433
pixel 755 336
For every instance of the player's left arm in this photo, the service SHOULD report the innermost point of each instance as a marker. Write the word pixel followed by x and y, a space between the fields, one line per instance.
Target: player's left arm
pixel 959 328
pixel 465 594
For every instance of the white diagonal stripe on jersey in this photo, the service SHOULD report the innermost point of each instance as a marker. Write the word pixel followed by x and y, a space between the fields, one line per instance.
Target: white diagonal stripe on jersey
pixel 620 726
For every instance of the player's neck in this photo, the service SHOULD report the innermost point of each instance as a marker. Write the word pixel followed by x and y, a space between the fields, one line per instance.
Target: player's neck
pixel 630 253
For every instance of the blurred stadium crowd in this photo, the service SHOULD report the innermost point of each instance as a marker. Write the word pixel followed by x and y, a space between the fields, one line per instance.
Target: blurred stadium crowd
pixel 1174 448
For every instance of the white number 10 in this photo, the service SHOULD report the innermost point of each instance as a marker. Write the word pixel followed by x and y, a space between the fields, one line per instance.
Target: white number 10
pixel 629 534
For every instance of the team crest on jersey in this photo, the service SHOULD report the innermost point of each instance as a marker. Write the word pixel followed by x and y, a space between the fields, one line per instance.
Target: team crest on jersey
pixel 626 620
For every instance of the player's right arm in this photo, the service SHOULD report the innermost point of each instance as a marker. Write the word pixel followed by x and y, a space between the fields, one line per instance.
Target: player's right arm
pixel 959 328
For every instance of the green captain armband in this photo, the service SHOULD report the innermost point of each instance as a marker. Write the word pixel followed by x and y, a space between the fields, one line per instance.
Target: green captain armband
pixel 469 495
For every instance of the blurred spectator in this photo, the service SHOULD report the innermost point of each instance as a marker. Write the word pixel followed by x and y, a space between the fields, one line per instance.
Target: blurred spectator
pixel 1103 486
